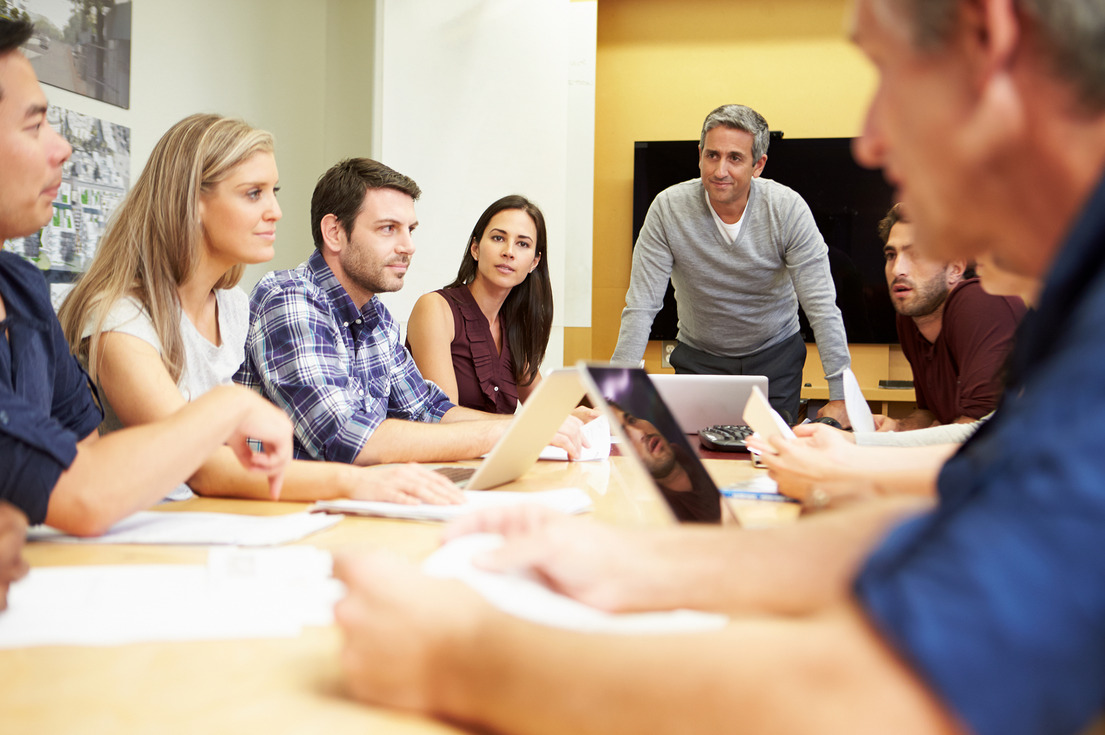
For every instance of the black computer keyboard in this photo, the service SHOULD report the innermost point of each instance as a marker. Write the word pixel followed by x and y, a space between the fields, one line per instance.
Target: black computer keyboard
pixel 724 438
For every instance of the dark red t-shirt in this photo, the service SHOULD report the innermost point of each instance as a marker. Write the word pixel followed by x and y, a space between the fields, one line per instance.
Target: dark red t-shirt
pixel 958 374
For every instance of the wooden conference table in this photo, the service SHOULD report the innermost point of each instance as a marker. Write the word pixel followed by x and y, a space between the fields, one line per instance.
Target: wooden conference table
pixel 282 685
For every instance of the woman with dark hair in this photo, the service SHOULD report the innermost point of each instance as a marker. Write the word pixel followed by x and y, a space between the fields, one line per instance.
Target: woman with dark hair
pixel 481 339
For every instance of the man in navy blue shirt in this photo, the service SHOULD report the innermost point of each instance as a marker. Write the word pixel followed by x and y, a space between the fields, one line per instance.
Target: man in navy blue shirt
pixel 54 468
pixel 983 614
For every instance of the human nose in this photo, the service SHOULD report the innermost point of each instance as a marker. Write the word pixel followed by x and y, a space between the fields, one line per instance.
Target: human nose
pixel 901 265
pixel 59 148
pixel 405 243
pixel 869 149
pixel 275 213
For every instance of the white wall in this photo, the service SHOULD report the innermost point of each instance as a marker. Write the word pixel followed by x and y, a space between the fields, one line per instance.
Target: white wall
pixel 473 103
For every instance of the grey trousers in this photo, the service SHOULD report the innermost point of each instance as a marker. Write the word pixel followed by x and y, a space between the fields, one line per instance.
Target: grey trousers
pixel 781 363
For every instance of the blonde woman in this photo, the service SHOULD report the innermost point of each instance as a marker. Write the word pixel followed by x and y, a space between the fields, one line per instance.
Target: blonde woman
pixel 157 317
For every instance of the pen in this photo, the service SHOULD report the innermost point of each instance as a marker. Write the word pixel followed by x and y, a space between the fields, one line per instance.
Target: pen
pixel 753 495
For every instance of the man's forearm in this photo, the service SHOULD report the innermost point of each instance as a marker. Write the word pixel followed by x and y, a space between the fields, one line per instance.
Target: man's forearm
pixel 918 419
pixel 794 569
pixel 94 493
pixel 827 674
pixel 396 440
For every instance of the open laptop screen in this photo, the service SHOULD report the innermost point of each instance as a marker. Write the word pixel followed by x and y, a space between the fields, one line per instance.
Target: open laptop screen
pixel 649 429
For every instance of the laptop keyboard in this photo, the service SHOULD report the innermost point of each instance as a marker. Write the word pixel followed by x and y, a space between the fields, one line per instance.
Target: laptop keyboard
pixel 724 438
pixel 456 474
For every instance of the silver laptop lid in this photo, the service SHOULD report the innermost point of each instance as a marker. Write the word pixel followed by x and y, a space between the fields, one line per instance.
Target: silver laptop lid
pixel 698 401
pixel 648 434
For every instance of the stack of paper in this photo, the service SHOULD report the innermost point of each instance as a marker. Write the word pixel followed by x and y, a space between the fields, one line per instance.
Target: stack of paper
pixel 240 593
pixel 565 500
pixel 153 527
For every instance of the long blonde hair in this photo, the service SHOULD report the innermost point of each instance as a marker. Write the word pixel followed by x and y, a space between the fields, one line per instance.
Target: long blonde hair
pixel 151 245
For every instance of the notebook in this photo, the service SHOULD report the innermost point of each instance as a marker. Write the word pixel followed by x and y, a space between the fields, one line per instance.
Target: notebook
pixel 698 401
pixel 648 433
pixel 531 430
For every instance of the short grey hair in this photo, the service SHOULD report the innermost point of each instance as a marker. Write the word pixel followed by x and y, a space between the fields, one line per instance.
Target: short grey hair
pixel 1072 33
pixel 739 117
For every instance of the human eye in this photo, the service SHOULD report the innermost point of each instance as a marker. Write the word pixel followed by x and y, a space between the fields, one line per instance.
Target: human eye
pixel 497 238
pixel 253 194
pixel 387 229
pixel 275 190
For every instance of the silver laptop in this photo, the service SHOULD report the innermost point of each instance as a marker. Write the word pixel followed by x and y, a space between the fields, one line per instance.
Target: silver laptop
pixel 531 431
pixel 647 433
pixel 698 401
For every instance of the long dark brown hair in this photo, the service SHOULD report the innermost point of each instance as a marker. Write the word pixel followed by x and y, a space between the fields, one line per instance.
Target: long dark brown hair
pixel 527 312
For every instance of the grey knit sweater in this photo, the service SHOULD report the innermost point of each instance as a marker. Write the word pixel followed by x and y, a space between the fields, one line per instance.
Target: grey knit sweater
pixel 734 299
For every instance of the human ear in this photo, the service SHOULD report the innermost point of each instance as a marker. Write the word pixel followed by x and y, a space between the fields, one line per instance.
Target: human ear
pixel 332 233
pixel 759 167
pixel 474 249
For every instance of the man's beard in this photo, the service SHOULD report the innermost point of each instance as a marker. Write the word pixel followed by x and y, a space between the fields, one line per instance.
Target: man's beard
pixel 374 277
pixel 927 298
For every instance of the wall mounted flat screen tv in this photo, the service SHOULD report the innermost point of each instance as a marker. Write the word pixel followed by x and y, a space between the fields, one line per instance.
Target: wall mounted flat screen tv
pixel 847 202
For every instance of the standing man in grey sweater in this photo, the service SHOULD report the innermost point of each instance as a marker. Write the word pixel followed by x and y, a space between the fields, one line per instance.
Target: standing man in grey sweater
pixel 743 253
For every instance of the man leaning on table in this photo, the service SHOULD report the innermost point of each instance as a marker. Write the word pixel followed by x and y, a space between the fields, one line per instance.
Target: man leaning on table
pixel 743 252
pixel 54 467
pixel 323 346
pixel 983 614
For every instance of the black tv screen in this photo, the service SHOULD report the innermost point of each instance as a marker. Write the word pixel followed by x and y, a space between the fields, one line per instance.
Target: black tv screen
pixel 847 202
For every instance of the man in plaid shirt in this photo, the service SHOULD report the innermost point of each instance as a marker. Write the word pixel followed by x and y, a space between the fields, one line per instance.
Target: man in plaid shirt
pixel 324 348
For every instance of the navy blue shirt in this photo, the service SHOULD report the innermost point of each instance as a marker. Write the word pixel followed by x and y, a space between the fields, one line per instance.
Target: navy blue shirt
pixel 46 401
pixel 997 598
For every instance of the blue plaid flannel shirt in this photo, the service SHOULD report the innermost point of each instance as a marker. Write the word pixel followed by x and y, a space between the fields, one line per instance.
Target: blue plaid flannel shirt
pixel 336 371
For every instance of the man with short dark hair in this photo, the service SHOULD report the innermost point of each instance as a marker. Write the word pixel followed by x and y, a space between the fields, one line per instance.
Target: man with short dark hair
pixel 54 467
pixel 983 614
pixel 954 334
pixel 742 252
pixel 323 346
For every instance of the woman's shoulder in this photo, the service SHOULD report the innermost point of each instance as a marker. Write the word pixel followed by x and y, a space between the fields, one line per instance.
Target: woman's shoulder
pixel 431 314
pixel 127 312
pixel 434 303
pixel 127 315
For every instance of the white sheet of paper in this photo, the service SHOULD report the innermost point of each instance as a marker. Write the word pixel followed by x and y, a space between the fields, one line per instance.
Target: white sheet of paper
pixel 597 432
pixel 566 500
pixel 859 413
pixel 255 593
pixel 764 419
pixel 526 597
pixel 153 527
